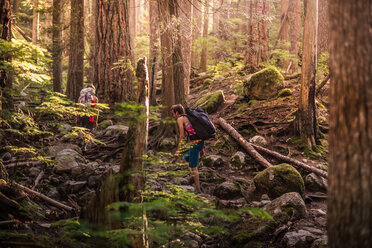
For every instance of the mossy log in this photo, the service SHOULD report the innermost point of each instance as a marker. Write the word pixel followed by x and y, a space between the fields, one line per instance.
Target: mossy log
pixel 245 144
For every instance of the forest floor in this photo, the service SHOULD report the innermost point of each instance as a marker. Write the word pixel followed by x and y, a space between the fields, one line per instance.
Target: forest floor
pixel 45 225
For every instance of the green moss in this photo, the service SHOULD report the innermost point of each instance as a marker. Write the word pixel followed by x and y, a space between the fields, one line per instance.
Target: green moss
pixel 317 152
pixel 254 230
pixel 214 100
pixel 264 84
pixel 285 93
pixel 104 124
pixel 280 179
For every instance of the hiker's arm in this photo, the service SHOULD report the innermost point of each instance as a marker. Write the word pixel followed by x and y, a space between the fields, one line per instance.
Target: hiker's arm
pixel 182 135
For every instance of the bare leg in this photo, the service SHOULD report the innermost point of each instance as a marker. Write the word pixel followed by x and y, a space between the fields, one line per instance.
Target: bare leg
pixel 196 177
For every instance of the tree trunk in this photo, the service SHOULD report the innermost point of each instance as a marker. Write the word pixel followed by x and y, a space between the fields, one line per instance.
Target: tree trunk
pixel 264 31
pixel 284 20
pixel 6 101
pixel 131 165
pixel 294 19
pixel 216 15
pixel 35 21
pixel 251 58
pixel 90 26
pixel 76 53
pixel 57 46
pixel 132 22
pixel 196 31
pixel 306 119
pixel 15 7
pixel 323 26
pixel 350 170
pixel 113 52
pixel 154 55
pixel 185 13
pixel 204 52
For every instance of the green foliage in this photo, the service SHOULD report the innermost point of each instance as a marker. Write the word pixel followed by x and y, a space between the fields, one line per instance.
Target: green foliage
pixel 323 62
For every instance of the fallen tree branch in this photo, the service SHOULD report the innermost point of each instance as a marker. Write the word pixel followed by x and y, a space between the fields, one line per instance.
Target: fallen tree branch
pixel 7 222
pixel 293 76
pixel 38 178
pixel 44 197
pixel 291 161
pixel 26 163
pixel 246 145
pixel 322 84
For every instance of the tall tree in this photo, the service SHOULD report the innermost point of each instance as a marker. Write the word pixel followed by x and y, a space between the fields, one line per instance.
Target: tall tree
pixel 57 46
pixel 154 54
pixel 294 20
pixel 113 72
pixel 76 50
pixel 307 120
pixel 204 52
pixel 132 21
pixel 350 170
pixel 284 20
pixel 196 30
pixel 184 15
pixel 5 34
pixel 323 37
pixel 35 21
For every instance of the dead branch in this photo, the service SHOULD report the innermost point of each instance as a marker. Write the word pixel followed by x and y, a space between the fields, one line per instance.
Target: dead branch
pixel 44 197
pixel 246 145
pixel 293 76
pixel 322 84
pixel 285 21
pixel 291 161
pixel 38 178
pixel 26 163
pixel 7 222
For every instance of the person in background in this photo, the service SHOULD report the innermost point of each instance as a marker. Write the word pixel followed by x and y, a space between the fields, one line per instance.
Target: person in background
pixel 89 99
pixel 196 145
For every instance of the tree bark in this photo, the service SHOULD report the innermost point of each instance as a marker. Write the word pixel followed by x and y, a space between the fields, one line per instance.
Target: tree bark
pixel 185 14
pixel 35 21
pixel 196 31
pixel 323 26
pixel 284 20
pixel 306 118
pixel 154 49
pixel 204 52
pixel 294 20
pixel 113 71
pixel 57 46
pixel 76 52
pixel 246 145
pixel 6 86
pixel 132 22
pixel 350 170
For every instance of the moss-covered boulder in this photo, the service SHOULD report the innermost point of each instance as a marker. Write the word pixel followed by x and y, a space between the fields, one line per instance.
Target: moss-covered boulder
pixel 213 161
pixel 104 124
pixel 289 206
pixel 285 93
pixel 278 180
pixel 227 191
pixel 214 100
pixel 264 84
pixel 237 160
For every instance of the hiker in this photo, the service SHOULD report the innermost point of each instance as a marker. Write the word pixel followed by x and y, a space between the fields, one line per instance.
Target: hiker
pixel 196 145
pixel 87 97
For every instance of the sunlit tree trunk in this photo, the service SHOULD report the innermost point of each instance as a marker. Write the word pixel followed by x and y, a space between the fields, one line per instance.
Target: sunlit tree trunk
pixel 185 13
pixel 132 21
pixel 76 50
pixel 350 170
pixel 15 7
pixel 57 46
pixel 307 121
pixel 204 52
pixel 5 34
pixel 216 15
pixel 264 11
pixel 154 48
pixel 35 21
pixel 294 20
pixel 90 36
pixel 113 71
pixel 284 20
pixel 323 37
pixel 251 58
pixel 196 31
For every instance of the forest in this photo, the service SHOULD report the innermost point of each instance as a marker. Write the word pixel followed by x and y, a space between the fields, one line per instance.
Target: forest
pixel 186 123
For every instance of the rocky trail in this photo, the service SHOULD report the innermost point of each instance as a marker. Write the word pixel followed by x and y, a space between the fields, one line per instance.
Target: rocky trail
pixel 230 179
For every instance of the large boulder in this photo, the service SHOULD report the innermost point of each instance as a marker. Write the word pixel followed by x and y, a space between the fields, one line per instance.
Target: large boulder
pixel 264 84
pixel 278 180
pixel 213 161
pixel 214 100
pixel 237 160
pixel 316 183
pixel 227 191
pixel 258 140
pixel 298 239
pixel 68 160
pixel 289 206
pixel 116 130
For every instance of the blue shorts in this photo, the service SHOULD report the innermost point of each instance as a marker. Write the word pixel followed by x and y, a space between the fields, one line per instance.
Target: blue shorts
pixel 192 156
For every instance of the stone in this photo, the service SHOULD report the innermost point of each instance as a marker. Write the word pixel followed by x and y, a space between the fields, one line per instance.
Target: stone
pixel 214 101
pixel 54 150
pixel 180 181
pixel 94 181
pixel 116 130
pixel 104 124
pixel 34 171
pixel 74 186
pixel 320 243
pixel 67 161
pixel 316 183
pixel 53 193
pixel 227 191
pixel 285 93
pixel 263 84
pixel 237 161
pixel 278 180
pixel 65 128
pixel 234 204
pixel 287 207
pixel 258 140
pixel 212 161
pixel 298 239
pixel 167 144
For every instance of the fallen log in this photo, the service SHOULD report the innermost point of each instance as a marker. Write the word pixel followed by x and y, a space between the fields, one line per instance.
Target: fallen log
pixel 38 178
pixel 25 163
pixel 245 144
pixel 44 197
pixel 291 161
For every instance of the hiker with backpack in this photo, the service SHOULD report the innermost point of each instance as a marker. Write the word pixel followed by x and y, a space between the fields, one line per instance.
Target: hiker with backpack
pixel 198 128
pixel 88 98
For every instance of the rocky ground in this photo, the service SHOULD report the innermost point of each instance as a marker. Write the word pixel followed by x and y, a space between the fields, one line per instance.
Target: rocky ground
pixel 230 179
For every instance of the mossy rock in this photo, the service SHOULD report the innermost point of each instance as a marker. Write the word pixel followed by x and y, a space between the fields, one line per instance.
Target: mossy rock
pixel 254 229
pixel 104 124
pixel 264 84
pixel 285 93
pixel 214 100
pixel 227 191
pixel 278 180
